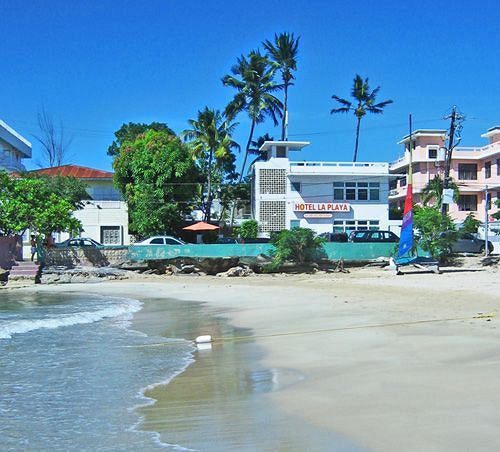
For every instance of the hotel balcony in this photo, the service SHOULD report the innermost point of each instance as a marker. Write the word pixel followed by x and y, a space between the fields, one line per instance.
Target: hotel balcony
pixel 339 168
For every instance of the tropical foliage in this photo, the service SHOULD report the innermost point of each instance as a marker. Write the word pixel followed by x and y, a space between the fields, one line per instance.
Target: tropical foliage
pixel 300 245
pixel 364 102
pixel 253 79
pixel 212 147
pixel 129 132
pixel 432 194
pixel 436 232
pixel 496 215
pixel 159 180
pixel 31 203
pixel 470 224
pixel 248 229
pixel 283 53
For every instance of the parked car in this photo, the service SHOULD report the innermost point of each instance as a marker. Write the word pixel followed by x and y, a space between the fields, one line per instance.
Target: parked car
pixel 227 240
pixel 161 240
pixel 334 236
pixel 373 236
pixel 84 242
pixel 469 243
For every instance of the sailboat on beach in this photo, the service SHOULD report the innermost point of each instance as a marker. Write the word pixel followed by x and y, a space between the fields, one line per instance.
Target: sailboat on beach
pixel 407 252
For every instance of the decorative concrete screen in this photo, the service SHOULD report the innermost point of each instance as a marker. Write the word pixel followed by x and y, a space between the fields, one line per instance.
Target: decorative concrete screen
pixel 272 181
pixel 272 216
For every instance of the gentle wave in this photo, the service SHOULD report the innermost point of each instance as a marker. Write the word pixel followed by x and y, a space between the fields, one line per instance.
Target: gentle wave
pixel 128 306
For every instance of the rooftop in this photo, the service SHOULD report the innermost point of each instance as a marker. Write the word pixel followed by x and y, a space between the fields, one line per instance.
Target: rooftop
pixel 291 145
pixel 423 133
pixel 80 172
pixel 16 140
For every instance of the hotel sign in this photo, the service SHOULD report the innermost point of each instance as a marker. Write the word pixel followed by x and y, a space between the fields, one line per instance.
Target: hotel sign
pixel 321 207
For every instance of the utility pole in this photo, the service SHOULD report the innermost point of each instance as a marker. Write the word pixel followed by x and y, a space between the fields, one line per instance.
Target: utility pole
pixel 453 139
pixel 486 196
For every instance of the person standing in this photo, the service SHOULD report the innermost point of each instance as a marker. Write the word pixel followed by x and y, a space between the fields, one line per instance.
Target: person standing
pixel 33 247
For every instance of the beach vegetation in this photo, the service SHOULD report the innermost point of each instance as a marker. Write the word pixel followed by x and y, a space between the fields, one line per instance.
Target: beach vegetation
pixel 436 232
pixel 32 203
pixel 211 144
pixel 282 52
pixel 298 245
pixel 432 194
pixel 496 215
pixel 159 180
pixel 129 133
pixel 364 102
pixel 470 224
pixel 253 79
pixel 248 229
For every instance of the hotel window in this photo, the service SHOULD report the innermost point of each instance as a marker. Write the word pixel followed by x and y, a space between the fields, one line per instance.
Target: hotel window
pixel 487 170
pixel 296 186
pixel 353 225
pixel 467 171
pixel 433 153
pixel 402 181
pixel 356 191
pixel 393 184
pixel 467 203
pixel 498 167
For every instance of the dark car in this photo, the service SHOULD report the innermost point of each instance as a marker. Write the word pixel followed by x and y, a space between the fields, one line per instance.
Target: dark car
pixel 469 243
pixel 334 236
pixel 373 236
pixel 84 242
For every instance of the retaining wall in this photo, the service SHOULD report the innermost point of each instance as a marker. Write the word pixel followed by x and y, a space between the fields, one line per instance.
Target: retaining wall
pixel 87 257
pixel 334 251
pixel 10 251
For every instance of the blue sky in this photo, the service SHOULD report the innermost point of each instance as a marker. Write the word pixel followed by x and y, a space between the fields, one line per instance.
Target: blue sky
pixel 96 64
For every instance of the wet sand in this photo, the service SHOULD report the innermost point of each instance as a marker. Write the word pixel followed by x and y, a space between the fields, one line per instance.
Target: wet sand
pixel 363 361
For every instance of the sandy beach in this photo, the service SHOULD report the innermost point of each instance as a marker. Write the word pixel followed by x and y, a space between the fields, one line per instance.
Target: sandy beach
pixel 384 363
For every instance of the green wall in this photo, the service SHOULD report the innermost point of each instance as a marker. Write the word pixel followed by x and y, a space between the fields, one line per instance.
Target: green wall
pixel 334 251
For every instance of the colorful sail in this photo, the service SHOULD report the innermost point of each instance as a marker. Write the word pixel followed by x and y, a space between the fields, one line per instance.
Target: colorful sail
pixel 406 239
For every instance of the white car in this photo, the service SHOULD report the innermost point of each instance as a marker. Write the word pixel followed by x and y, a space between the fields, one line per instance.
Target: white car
pixel 161 240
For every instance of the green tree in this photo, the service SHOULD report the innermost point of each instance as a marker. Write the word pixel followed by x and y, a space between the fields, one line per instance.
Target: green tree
pixel 496 215
pixel 253 79
pixel 30 203
pixel 299 245
pixel 470 224
pixel 67 187
pixel 364 102
pixel 212 147
pixel 129 132
pixel 255 148
pixel 432 193
pixel 248 229
pixel 436 232
pixel 283 53
pixel 159 180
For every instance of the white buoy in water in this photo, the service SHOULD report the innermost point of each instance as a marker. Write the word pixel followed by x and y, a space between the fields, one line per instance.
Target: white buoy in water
pixel 206 339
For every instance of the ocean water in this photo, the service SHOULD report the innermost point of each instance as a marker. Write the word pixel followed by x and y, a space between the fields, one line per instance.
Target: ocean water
pixel 73 373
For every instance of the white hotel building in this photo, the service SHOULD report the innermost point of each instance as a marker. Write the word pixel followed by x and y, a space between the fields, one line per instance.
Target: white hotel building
pixel 323 196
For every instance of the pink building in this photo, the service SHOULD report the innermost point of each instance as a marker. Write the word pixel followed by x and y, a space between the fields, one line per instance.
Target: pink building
pixel 472 169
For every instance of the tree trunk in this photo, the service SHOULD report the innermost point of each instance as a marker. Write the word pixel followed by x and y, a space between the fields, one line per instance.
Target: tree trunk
pixel 208 209
pixel 285 106
pixel 252 128
pixel 357 141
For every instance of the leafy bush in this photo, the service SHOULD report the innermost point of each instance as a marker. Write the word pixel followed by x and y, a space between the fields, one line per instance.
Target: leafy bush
pixel 470 224
pixel 248 229
pixel 436 232
pixel 299 245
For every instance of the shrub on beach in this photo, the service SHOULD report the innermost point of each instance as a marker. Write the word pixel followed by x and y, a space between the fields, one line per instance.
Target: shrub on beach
pixel 299 245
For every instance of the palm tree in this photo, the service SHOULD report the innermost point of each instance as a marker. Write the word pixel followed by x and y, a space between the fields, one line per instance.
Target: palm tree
pixel 433 191
pixel 253 78
pixel 210 139
pixel 283 53
pixel 364 103
pixel 256 145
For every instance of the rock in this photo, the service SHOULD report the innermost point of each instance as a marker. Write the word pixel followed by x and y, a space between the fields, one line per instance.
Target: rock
pixel 57 275
pixel 237 271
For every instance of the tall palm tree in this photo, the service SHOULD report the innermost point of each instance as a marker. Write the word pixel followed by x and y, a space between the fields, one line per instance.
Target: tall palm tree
pixel 211 144
pixel 283 53
pixel 364 103
pixel 253 78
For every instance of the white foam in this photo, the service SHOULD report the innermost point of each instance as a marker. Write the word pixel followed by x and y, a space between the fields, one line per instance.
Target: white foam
pixel 127 307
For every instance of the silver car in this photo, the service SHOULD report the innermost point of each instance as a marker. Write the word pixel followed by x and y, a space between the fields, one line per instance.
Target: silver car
pixel 469 243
